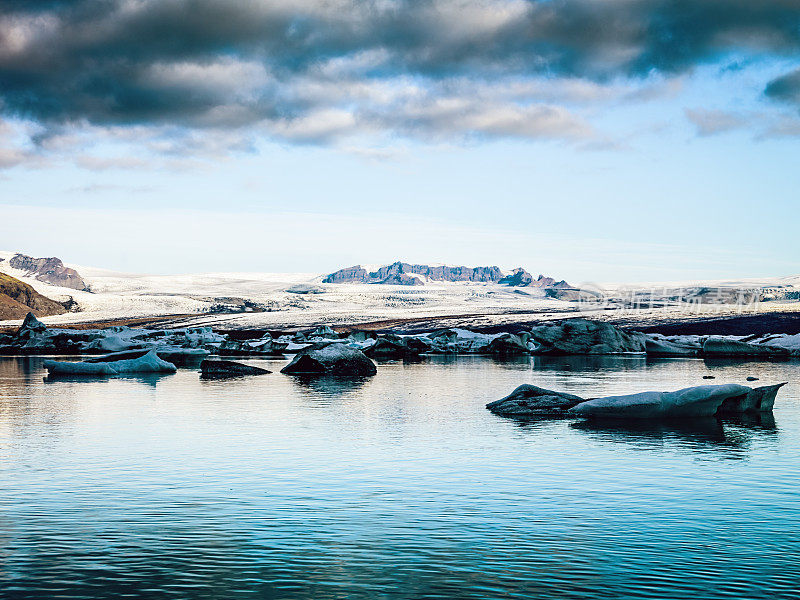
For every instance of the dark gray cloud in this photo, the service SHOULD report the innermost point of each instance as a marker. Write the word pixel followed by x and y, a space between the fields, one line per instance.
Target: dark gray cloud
pixel 785 88
pixel 311 70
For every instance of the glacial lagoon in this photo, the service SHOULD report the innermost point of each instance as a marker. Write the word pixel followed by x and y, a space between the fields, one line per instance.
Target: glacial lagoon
pixel 400 485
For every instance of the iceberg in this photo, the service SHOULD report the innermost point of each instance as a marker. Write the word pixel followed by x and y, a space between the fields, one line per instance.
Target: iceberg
pixel 149 362
pixel 660 347
pixel 530 400
pixel 790 343
pixel 580 336
pixel 334 359
pixel 722 347
pixel 698 401
pixel 223 369
pixel 758 400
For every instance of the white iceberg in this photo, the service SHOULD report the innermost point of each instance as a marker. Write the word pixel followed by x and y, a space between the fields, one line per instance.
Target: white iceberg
pixel 203 336
pixel 112 342
pixel 147 363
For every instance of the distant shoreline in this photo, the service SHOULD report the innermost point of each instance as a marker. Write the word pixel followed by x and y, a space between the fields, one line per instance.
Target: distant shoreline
pixel 787 322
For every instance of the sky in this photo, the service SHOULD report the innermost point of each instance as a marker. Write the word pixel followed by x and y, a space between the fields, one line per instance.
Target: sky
pixel 591 140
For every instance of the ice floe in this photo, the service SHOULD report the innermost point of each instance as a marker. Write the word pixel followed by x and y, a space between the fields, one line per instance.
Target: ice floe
pixel 147 363
pixel 698 401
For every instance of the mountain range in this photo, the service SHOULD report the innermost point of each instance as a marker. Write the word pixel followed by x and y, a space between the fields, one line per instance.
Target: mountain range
pixel 401 273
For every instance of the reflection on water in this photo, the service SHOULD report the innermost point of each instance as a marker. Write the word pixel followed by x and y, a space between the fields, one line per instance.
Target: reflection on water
pixel 150 379
pixel 328 386
pixel 693 434
pixel 584 364
pixel 397 486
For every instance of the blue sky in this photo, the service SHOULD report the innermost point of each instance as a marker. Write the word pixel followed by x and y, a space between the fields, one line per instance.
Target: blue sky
pixel 629 162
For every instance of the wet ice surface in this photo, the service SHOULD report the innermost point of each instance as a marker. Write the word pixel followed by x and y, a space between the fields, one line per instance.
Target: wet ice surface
pixel 397 486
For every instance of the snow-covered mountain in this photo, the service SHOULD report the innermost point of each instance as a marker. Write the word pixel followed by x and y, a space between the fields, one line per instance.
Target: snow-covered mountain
pixel 402 273
pixel 49 270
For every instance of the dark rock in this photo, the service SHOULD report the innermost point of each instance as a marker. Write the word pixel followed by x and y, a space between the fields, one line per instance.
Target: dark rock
pixel 518 277
pixel 306 288
pixel 708 377
pixel 751 378
pixel 550 283
pixel 553 289
pixel 220 369
pixel 570 294
pixel 400 279
pixel 70 305
pixel 532 401
pixel 333 359
pixel 356 274
pixel 400 273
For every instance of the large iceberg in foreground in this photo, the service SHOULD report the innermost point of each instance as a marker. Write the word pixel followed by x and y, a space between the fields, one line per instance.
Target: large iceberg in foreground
pixel 699 401
pixel 147 363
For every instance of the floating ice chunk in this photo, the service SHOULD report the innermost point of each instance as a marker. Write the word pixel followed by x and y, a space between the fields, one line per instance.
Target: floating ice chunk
pixel 222 369
pixel 787 342
pixel 111 343
pixel 148 363
pixel 203 336
pixel 759 399
pixel 530 400
pixel 580 336
pixel 719 347
pixel 335 359
pixel 661 347
pixel 699 401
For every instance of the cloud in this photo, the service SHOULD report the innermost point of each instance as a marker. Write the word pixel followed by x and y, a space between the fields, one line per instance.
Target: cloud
pixel 785 88
pixel 321 71
pixel 712 122
pixel 782 128
pixel 110 187
pixel 96 163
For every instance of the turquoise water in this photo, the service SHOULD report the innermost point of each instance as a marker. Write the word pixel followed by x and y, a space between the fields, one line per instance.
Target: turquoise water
pixel 399 486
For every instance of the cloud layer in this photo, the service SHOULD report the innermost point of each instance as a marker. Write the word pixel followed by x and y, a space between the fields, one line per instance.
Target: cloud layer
pixel 318 71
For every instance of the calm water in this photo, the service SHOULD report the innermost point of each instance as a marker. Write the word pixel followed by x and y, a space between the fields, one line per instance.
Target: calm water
pixel 401 486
